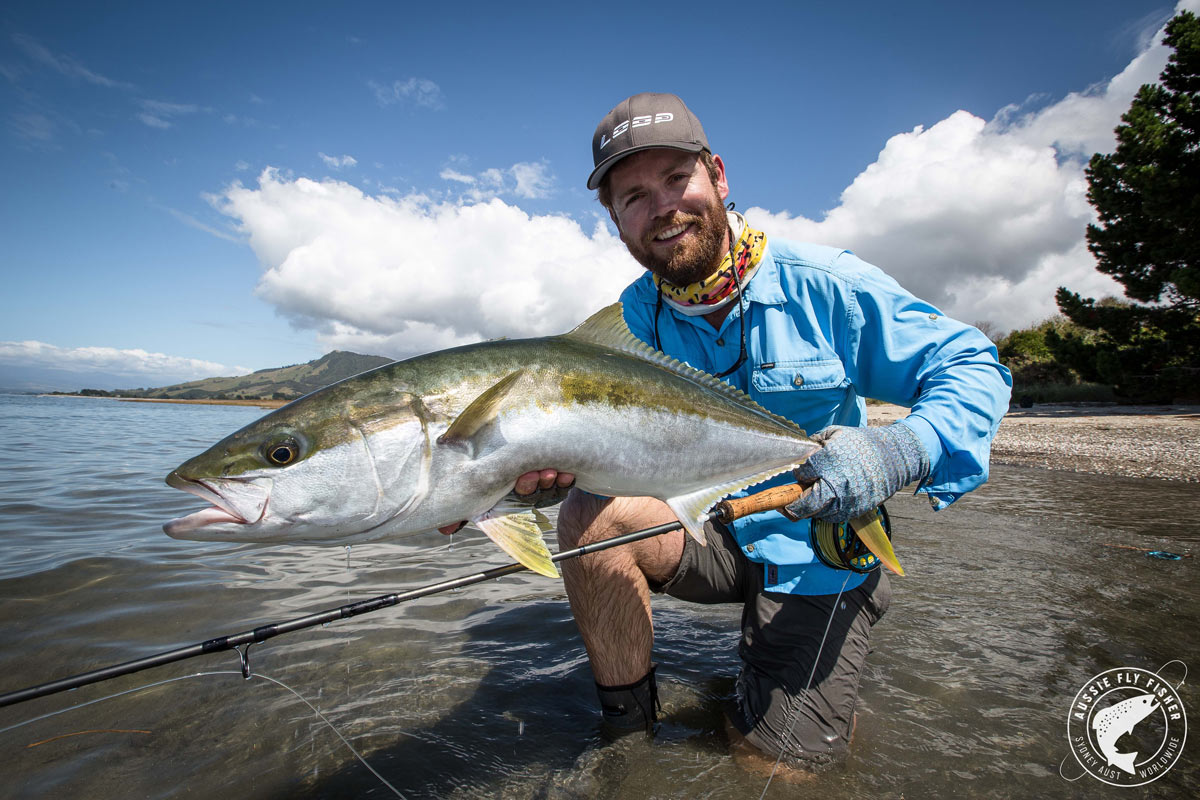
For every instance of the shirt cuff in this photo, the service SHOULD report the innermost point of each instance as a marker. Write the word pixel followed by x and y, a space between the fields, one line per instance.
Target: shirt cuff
pixel 929 439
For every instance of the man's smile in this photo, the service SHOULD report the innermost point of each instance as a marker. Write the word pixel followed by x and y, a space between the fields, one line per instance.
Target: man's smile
pixel 671 232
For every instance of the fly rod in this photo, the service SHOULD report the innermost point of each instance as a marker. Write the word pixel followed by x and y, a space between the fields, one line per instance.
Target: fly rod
pixel 726 511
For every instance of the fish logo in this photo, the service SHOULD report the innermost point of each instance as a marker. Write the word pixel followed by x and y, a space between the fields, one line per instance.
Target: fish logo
pixel 1117 720
pixel 1127 702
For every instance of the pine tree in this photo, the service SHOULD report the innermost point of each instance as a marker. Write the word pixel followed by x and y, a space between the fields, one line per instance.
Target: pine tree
pixel 1147 197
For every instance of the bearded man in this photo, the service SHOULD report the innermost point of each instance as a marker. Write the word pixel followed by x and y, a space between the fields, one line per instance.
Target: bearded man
pixel 808 332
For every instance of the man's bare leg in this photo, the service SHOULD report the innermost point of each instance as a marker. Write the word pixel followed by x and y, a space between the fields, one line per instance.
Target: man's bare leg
pixel 609 590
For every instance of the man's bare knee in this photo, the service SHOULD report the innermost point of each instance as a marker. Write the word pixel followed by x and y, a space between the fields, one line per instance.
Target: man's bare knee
pixel 576 518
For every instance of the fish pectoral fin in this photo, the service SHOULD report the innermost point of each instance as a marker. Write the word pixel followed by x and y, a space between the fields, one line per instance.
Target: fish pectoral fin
pixel 481 412
pixel 870 531
pixel 520 535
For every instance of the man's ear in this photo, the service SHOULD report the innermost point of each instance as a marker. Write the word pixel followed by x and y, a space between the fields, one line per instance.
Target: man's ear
pixel 722 181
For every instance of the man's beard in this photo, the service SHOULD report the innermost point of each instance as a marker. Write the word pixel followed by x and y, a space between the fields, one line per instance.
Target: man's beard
pixel 694 259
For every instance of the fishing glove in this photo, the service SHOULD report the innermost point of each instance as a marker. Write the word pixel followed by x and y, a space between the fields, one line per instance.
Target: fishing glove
pixel 856 470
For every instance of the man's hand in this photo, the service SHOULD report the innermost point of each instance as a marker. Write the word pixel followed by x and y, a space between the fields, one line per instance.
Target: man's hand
pixel 856 470
pixel 546 480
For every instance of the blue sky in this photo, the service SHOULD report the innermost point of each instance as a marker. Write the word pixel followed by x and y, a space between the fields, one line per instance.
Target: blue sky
pixel 220 187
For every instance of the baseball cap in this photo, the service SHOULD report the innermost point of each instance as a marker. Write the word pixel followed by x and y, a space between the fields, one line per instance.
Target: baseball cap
pixel 641 122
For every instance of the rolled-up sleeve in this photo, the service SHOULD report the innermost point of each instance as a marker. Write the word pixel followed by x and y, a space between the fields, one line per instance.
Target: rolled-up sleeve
pixel 947 372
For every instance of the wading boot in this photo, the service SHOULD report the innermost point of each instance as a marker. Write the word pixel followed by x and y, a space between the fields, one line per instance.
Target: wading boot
pixel 629 709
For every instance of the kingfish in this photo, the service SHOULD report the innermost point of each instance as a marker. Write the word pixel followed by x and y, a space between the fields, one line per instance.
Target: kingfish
pixel 438 438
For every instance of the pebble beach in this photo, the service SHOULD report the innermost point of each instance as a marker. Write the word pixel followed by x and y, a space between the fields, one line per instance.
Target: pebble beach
pixel 1129 441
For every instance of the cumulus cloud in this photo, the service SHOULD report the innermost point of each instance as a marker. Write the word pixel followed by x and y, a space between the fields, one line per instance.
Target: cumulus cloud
pixel 337 162
pixel 418 91
pixel 404 275
pixel 985 219
pixel 525 180
pixel 139 366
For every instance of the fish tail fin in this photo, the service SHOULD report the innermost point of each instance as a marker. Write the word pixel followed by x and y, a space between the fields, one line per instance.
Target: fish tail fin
pixel 1123 760
pixel 871 533
pixel 520 535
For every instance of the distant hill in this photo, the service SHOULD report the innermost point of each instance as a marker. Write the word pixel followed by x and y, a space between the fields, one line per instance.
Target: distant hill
pixel 279 383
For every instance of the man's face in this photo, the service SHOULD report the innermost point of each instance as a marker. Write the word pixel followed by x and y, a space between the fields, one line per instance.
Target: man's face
pixel 670 214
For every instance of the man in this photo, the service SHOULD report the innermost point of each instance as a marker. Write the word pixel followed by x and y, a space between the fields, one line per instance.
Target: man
pixel 808 332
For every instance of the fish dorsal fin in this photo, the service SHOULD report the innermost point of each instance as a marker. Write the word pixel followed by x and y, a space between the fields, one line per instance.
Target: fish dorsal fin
pixel 480 413
pixel 607 328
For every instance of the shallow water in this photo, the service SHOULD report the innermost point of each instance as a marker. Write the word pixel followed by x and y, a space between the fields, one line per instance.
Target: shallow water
pixel 1016 596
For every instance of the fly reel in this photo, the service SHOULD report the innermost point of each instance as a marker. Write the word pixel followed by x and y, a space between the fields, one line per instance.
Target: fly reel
pixel 838 546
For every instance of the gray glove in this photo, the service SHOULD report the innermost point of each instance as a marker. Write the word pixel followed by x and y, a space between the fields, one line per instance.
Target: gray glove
pixel 856 470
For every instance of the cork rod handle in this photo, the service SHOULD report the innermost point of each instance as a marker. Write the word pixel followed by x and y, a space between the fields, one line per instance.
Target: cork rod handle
pixel 775 497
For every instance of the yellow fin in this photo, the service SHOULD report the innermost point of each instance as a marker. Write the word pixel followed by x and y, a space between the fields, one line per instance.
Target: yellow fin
pixel 870 531
pixel 520 535
pixel 480 413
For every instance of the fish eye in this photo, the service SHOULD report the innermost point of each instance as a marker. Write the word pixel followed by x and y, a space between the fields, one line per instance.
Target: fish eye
pixel 282 453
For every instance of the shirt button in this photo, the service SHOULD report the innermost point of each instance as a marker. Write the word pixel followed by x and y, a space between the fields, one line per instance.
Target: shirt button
pixel 933 316
pixel 720 342
pixel 798 380
pixel 749 548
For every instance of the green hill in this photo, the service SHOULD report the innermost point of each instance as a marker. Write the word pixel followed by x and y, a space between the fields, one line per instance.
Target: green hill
pixel 279 383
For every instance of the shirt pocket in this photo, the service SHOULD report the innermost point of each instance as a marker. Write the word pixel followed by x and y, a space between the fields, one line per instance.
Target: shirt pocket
pixel 806 392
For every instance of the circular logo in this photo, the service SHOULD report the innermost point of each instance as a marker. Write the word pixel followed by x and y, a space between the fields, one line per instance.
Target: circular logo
pixel 1127 727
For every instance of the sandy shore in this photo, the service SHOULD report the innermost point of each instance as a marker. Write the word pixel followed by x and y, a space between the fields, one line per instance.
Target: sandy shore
pixel 1132 441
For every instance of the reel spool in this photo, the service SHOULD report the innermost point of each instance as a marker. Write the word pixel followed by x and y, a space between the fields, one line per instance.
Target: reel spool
pixel 838 546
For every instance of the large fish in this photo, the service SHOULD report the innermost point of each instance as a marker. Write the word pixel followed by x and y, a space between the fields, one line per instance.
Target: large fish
pixel 425 442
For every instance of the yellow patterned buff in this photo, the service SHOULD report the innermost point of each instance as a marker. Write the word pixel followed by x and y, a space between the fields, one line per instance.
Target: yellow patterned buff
pixel 718 289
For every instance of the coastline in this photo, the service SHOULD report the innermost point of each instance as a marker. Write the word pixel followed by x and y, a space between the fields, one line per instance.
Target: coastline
pixel 1133 441
pixel 1127 441
pixel 206 402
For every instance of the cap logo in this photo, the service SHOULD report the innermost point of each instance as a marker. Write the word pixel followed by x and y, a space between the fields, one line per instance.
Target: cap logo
pixel 636 122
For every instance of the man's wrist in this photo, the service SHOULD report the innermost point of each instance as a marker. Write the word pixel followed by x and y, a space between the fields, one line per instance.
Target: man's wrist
pixel 928 440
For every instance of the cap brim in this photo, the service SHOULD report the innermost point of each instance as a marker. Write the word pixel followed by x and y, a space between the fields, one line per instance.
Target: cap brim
pixel 593 181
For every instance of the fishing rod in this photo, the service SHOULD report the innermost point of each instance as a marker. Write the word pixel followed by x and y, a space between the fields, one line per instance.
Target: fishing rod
pixel 726 511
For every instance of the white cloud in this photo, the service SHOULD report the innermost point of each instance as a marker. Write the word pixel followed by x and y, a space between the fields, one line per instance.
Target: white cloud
pixel 419 91
pixel 63 64
pixel 33 127
pixel 337 162
pixel 526 180
pixel 159 114
pixel 403 275
pixel 137 365
pixel 985 219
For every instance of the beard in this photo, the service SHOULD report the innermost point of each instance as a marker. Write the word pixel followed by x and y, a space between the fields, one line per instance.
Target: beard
pixel 694 259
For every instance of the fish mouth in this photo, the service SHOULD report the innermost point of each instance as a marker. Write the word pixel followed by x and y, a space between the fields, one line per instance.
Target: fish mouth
pixel 234 501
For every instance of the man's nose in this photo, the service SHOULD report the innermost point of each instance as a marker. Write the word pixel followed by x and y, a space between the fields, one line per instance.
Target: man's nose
pixel 663 203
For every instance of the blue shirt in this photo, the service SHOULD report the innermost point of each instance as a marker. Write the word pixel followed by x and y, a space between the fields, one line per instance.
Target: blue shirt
pixel 824 331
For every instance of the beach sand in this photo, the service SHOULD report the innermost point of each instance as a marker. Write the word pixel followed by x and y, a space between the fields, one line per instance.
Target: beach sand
pixel 1131 441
